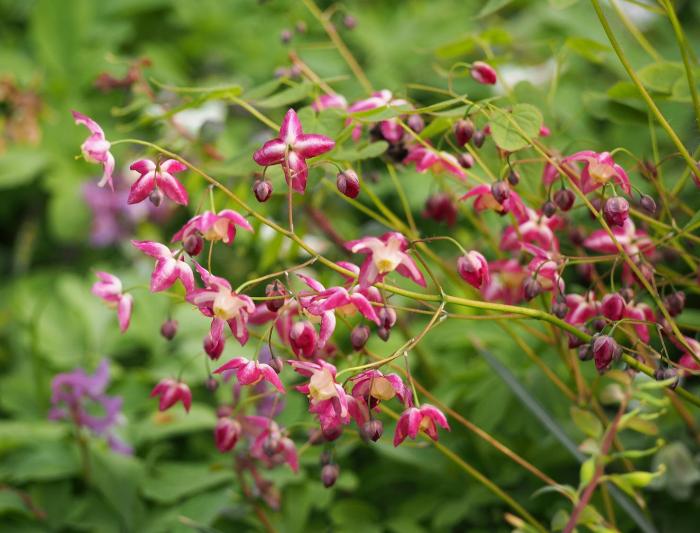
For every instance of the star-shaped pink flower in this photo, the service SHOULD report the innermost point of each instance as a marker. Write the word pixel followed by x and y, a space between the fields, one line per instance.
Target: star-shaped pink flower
pixel 291 149
pixel 160 176
pixel 251 372
pixel 168 269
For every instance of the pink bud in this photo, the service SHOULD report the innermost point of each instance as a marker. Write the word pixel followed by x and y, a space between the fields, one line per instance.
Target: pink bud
pixel 463 130
pixel 214 347
pixel 513 178
pixel 605 350
pixel 466 161
pixel 262 190
pixel 358 337
pixel 483 73
pixel 616 210
pixel 372 430
pixel 531 288
pixel 348 183
pixel 169 329
pixel 474 269
pixel 416 123
pixel 613 306
pixel 275 290
pixel 303 339
pixel 226 434
pixel 648 204
pixel 564 198
pixel 675 303
pixel 478 139
pixel 500 191
pixel 156 197
pixel 549 209
pixel 193 243
pixel 387 317
pixel 329 475
pixel 440 208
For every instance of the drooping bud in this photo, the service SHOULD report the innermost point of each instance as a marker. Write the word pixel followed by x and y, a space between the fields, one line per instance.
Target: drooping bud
pixel 500 191
pixel 616 210
pixel 285 36
pixel 415 122
pixel 372 430
pixel 549 208
pixel 483 73
pixel 169 329
pixel 156 197
pixel 613 306
pixel 350 22
pixel 214 347
pixel 478 138
pixel 276 364
pixel 303 339
pixel 662 374
pixel 466 161
pixel 226 434
pixel 332 433
pixel 383 333
pixel 463 131
pixel 531 288
pixel 387 317
pixel 675 303
pixel 564 198
pixel 329 475
pixel 648 204
pixel 513 177
pixel 474 269
pixel 598 324
pixel 577 236
pixel 262 190
pixel 275 290
pixel 348 183
pixel 439 207
pixel 359 336
pixel 193 243
pixel 605 351
pixel 559 308
pixel 211 384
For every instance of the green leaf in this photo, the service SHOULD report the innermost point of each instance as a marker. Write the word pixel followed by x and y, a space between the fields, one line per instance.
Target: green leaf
pixel 14 434
pixel 586 422
pixel 436 127
pixel 19 165
pixel 11 503
pixel 491 7
pixel 369 151
pixel 170 482
pixel 513 130
pixel 661 76
pixel 287 96
pixel 586 472
pixel 587 48
pixel 42 462
pixel 175 422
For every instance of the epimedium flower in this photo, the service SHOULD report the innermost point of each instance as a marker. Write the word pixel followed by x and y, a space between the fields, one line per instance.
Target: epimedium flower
pixel 428 159
pixel 291 148
pixel 270 445
pixel 474 269
pixel 484 199
pixel 109 289
pixel 505 283
pixel 226 433
pixel 384 255
pixel 218 301
pixel 158 177
pixel 250 372
pixel 171 392
pixel 390 129
pixel 533 228
pixel 77 395
pixel 96 148
pixel 373 387
pixel 219 226
pixel 168 268
pixel 425 418
pixel 329 101
pixel 598 169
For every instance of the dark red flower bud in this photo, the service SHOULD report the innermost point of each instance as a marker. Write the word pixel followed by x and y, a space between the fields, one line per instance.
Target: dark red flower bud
pixel 372 430
pixel 214 347
pixel 439 207
pixel 483 73
pixel 169 329
pixel 598 324
pixel 329 475
pixel 531 288
pixel 463 131
pixel 193 243
pixel 383 333
pixel 276 364
pixel 350 22
pixel 262 190
pixel 605 351
pixel 513 177
pixel 359 336
pixel 387 317
pixel 675 303
pixel 416 123
pixel 332 433
pixel 549 208
pixel 303 339
pixel 465 160
pixel 277 291
pixel 613 306
pixel 616 210
pixel 577 236
pixel 564 198
pixel 559 308
pixel 348 183
pixel 500 191
pixel 211 384
pixel 156 197
pixel 661 374
pixel 478 138
pixel 648 204
pixel 226 434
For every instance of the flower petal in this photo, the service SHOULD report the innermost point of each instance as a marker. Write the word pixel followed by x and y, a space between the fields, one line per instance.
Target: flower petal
pixel 172 188
pixel 290 128
pixel 141 188
pixel 312 144
pixel 271 153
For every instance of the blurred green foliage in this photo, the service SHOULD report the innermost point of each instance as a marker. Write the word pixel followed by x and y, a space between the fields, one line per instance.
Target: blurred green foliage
pixel 51 53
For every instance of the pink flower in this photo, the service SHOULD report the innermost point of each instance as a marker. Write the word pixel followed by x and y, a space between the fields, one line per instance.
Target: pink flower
pixel 687 361
pixel 390 129
pixel 171 392
pixel 96 148
pixel 372 386
pixel 226 433
pixel 505 283
pixel 346 302
pixel 474 269
pixel 291 148
pixel 213 226
pixel 329 101
pixel 485 200
pixel 158 176
pixel 545 267
pixel 270 446
pixel 599 169
pixel 109 289
pixel 303 339
pixel 250 372
pixel 427 159
pixel 385 254
pixel 534 228
pixel 425 418
pixel 168 269
pixel 483 73
pixel 581 308
pixel 643 315
pixel 217 300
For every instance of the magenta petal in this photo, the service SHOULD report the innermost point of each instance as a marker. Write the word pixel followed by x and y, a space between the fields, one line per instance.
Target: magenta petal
pixel 172 166
pixel 312 144
pixel 271 153
pixel 93 126
pixel 143 166
pixel 164 275
pixel 270 375
pixel 297 172
pixel 184 272
pixel 125 305
pixel 290 128
pixel 141 188
pixel 236 218
pixel 154 249
pixel 233 364
pixel 327 328
pixel 108 170
pixel 365 307
pixel 172 188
